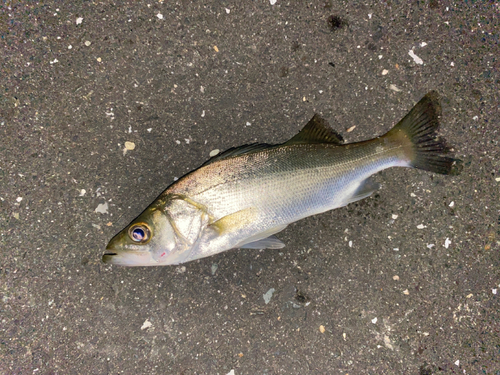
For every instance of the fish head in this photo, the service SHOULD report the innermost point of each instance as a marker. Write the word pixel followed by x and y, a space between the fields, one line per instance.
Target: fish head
pixel 149 240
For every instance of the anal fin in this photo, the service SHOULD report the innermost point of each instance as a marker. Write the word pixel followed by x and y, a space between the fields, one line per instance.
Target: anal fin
pixel 365 189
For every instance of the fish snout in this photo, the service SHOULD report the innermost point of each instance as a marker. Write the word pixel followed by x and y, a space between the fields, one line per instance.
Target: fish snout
pixel 109 253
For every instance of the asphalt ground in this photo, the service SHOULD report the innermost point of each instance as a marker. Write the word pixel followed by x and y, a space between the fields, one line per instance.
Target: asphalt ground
pixel 405 282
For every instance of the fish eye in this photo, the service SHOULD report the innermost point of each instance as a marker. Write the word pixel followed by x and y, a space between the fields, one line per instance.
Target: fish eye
pixel 139 233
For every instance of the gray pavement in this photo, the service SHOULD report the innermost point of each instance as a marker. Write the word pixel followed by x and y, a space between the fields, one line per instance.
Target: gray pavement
pixel 405 282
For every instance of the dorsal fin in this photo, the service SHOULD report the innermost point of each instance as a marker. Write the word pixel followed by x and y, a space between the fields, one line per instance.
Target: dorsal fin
pixel 317 130
pixel 236 151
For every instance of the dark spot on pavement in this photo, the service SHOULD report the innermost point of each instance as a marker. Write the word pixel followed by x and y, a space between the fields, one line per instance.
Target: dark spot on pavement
pixel 336 22
pixel 295 46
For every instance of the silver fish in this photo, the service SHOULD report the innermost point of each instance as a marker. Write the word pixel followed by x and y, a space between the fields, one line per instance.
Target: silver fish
pixel 244 196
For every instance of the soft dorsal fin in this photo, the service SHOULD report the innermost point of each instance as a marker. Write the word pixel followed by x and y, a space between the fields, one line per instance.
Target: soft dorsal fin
pixel 236 151
pixel 317 130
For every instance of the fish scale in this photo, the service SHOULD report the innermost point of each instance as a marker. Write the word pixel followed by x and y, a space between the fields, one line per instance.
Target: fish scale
pixel 306 172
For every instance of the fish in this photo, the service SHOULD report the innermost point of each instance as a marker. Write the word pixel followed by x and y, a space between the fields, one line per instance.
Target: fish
pixel 244 196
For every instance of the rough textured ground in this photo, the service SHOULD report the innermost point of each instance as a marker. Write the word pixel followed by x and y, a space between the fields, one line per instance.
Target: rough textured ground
pixel 360 290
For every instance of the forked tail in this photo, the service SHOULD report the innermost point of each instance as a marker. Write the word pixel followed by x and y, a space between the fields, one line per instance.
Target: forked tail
pixel 417 132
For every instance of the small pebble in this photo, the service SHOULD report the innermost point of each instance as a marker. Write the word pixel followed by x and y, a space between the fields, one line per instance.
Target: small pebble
pixel 214 152
pixel 374 320
pixel 79 20
pixel 216 49
pixel 146 324
pixel 130 145
pixel 447 242
pixel 395 277
pixel 160 16
pixel 215 266
pixel 87 43
pixel 322 329
pixel 406 292
pixel 351 129
pixel 268 295
pixel 394 88
pixel 415 58
pixel 384 72
pixel 102 208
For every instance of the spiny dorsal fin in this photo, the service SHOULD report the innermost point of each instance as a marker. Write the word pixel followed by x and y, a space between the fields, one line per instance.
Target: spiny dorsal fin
pixel 317 130
pixel 236 151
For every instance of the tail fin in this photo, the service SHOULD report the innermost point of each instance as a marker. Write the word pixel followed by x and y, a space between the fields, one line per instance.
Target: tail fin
pixel 423 147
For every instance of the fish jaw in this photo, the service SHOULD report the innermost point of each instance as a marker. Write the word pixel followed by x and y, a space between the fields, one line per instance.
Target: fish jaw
pixel 130 260
pixel 130 257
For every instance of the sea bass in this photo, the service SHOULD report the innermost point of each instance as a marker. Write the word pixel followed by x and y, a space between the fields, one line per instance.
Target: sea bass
pixel 244 196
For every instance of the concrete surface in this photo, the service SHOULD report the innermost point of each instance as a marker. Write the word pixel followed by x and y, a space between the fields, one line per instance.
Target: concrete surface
pixel 360 290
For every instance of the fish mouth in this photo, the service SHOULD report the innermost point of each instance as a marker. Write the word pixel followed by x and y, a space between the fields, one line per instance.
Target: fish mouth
pixel 109 253
pixel 127 259
pixel 108 257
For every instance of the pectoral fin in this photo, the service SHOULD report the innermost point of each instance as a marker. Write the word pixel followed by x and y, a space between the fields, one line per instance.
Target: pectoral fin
pixel 263 240
pixel 234 221
pixel 271 242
